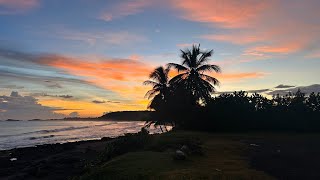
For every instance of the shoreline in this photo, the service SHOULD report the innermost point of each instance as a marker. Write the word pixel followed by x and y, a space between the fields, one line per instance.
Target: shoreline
pixel 36 133
pixel 63 143
pixel 50 161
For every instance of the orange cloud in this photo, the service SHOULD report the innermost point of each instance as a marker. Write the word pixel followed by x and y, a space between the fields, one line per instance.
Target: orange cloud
pixel 222 77
pixel 233 38
pixel 238 76
pixel 17 6
pixel 89 109
pixel 123 76
pixel 115 69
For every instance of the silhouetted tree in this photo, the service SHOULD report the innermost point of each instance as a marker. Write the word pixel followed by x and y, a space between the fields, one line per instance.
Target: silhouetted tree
pixel 260 103
pixel 192 77
pixel 159 93
pixel 160 87
pixel 313 102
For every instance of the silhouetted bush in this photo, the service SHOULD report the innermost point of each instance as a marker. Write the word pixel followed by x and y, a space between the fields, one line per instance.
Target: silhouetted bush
pixel 124 144
pixel 239 111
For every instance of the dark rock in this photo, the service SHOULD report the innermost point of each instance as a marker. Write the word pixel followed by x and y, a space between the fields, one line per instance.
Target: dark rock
pixel 179 155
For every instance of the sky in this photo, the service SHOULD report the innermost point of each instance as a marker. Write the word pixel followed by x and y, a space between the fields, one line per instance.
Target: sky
pixel 87 57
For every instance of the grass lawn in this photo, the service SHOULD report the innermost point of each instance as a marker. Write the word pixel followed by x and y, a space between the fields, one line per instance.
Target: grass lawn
pixel 225 157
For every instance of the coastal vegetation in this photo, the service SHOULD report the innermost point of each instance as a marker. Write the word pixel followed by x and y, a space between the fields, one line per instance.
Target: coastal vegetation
pixel 187 101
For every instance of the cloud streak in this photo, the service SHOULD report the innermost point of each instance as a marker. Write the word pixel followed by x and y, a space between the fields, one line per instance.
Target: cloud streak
pixel 106 38
pixel 123 9
pixel 226 13
pixel 98 102
pixel 48 95
pixel 9 7
pixel 304 89
pixel 283 86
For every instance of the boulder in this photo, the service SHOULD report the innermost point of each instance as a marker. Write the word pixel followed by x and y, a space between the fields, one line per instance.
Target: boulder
pixel 179 155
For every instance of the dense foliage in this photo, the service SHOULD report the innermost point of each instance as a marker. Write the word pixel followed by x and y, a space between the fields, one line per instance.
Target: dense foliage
pixel 187 101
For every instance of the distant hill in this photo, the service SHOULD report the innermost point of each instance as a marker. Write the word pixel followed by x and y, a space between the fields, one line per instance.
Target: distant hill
pixel 12 120
pixel 128 115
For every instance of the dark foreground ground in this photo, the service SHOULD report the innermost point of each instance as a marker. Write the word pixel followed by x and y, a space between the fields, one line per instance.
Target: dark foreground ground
pixel 211 156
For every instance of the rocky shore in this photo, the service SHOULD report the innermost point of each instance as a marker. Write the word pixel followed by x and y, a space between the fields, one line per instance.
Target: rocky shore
pixel 51 161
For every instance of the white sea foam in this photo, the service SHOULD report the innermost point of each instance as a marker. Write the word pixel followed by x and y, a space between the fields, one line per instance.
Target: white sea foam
pixel 17 134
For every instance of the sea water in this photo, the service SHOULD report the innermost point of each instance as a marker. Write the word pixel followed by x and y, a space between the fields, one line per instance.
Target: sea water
pixel 15 134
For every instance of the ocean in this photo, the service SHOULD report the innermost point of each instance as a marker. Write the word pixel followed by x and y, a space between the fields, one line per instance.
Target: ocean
pixel 16 134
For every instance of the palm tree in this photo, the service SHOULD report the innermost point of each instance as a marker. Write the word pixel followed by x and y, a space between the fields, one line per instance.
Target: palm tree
pixel 160 87
pixel 192 77
pixel 159 93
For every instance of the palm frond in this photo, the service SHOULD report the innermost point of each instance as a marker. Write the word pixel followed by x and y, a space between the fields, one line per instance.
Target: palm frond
pixel 166 71
pixel 177 67
pixel 194 56
pixel 185 56
pixel 156 74
pixel 209 67
pixel 207 90
pixel 177 79
pixel 204 57
pixel 160 75
pixel 149 82
pixel 210 79
pixel 150 94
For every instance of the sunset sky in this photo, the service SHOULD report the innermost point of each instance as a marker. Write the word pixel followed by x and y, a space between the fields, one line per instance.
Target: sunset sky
pixel 87 57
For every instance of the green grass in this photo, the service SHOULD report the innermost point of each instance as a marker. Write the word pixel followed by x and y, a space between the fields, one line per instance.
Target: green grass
pixel 223 158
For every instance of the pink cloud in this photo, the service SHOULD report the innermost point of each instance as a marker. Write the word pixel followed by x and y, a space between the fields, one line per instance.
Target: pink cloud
pixel 186 45
pixel 279 47
pixel 125 8
pixel 233 38
pixel 225 13
pixel 269 27
pixel 313 55
pixel 17 6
